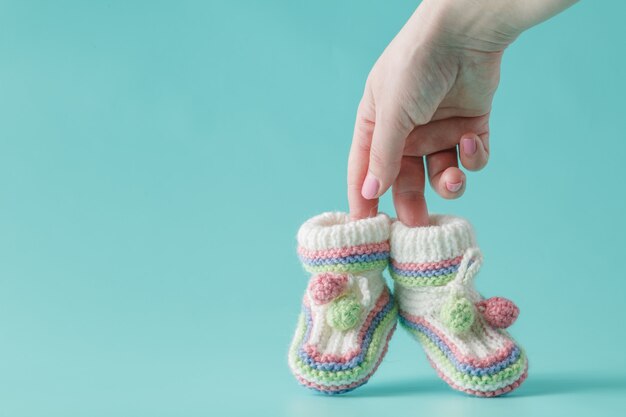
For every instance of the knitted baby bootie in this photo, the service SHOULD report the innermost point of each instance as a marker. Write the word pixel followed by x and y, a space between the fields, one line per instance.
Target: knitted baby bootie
pixel 462 333
pixel 348 313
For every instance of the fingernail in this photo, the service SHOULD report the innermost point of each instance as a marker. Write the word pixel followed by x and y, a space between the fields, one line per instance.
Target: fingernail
pixel 370 187
pixel 469 146
pixel 453 187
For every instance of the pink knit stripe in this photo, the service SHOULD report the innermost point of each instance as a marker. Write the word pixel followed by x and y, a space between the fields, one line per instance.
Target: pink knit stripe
pixel 311 350
pixel 330 388
pixel 364 249
pixel 425 266
pixel 497 356
pixel 477 393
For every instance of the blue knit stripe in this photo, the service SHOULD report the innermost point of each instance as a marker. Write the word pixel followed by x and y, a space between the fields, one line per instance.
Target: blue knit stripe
pixel 350 259
pixel 427 273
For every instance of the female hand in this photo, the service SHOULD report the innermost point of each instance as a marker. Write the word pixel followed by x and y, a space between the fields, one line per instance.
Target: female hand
pixel 432 90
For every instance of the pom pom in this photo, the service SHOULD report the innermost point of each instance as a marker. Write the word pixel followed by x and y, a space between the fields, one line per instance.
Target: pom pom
pixel 458 314
pixel 343 313
pixel 325 287
pixel 498 311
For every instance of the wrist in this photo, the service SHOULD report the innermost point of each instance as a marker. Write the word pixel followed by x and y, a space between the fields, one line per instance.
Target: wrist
pixel 482 25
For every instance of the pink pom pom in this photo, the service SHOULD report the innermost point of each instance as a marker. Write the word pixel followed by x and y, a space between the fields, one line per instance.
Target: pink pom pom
pixel 498 311
pixel 325 287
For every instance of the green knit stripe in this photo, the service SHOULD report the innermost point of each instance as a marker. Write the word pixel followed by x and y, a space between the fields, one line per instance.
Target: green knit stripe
pixel 422 281
pixel 348 267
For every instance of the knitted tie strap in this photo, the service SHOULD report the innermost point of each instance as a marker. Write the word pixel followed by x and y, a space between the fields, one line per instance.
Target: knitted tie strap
pixel 458 313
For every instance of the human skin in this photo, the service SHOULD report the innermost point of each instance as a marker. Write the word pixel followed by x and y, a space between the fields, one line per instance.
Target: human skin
pixel 427 101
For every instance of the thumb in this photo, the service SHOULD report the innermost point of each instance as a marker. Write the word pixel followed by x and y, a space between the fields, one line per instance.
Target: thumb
pixel 385 156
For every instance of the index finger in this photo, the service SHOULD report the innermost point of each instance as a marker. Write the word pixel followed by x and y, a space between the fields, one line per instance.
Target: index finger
pixel 358 162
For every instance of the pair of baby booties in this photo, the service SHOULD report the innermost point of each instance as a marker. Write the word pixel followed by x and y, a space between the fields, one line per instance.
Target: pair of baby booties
pixel 349 314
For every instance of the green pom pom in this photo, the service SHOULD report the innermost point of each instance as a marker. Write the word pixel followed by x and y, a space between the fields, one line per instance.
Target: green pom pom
pixel 458 314
pixel 343 313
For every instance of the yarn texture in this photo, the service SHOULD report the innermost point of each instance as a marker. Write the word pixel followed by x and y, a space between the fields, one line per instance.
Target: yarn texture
pixel 433 269
pixel 344 313
pixel 325 287
pixel 348 313
pixel 458 314
pixel 498 311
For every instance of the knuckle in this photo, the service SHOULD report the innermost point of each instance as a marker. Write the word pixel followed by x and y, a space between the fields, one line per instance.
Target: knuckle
pixel 412 195
pixel 364 129
pixel 396 117
pixel 378 158
pixel 354 186
pixel 365 110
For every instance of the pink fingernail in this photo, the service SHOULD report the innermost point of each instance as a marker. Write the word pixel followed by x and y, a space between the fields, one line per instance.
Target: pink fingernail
pixel 370 187
pixel 469 146
pixel 453 187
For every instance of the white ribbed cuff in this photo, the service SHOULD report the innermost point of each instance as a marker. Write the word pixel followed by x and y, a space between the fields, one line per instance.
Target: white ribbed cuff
pixel 337 230
pixel 447 237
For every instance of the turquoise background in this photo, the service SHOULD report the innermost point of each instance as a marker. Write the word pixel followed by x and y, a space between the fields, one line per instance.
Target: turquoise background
pixel 157 159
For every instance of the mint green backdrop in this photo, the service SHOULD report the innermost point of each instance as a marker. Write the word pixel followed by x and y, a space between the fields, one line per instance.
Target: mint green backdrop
pixel 157 158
